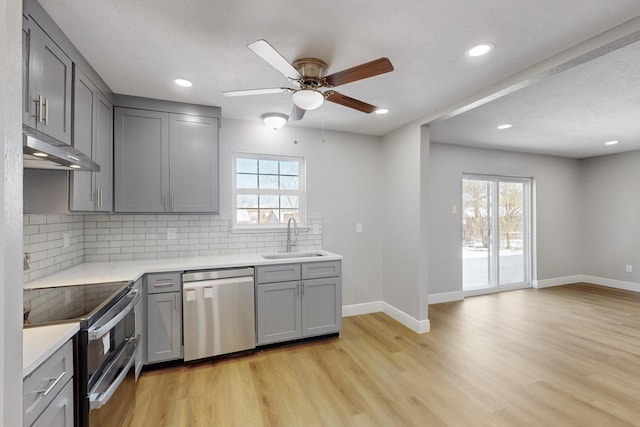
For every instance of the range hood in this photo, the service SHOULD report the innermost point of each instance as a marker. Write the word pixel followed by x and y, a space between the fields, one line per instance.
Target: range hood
pixel 51 154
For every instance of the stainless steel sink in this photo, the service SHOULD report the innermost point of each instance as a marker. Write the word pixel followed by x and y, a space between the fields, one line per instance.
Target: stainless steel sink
pixel 289 255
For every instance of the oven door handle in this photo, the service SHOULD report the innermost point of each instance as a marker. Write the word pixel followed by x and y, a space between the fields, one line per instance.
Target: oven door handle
pixel 97 333
pixel 97 400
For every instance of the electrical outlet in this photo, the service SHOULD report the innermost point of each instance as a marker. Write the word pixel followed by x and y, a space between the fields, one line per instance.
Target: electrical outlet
pixel 315 229
pixel 629 268
pixel 171 233
pixel 66 239
pixel 454 210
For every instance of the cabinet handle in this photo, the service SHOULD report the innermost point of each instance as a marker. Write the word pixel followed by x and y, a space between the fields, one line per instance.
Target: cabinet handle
pixel 164 202
pixel 53 384
pixel 175 303
pixel 298 289
pixel 46 112
pixel 38 112
pixel 302 288
pixel 172 201
pixel 100 197
pixel 94 197
pixel 163 283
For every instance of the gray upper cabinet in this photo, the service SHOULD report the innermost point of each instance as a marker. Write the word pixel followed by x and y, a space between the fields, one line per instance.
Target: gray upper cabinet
pixel 164 161
pixel 141 160
pixel 93 135
pixel 193 163
pixel 47 73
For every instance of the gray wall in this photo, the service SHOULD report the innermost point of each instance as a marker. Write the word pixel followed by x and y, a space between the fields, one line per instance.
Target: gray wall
pixel 10 214
pixel 344 185
pixel 402 221
pixel 557 205
pixel 610 213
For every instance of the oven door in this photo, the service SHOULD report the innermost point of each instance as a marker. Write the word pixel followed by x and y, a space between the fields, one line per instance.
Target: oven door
pixel 112 398
pixel 109 335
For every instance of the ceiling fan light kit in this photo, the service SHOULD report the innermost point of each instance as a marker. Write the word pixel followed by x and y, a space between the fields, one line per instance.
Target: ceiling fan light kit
pixel 308 99
pixel 275 121
pixel 310 74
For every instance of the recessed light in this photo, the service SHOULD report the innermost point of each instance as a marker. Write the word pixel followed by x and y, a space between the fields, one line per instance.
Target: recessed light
pixel 611 142
pixel 40 154
pixel 74 166
pixel 183 82
pixel 504 126
pixel 382 111
pixel 481 49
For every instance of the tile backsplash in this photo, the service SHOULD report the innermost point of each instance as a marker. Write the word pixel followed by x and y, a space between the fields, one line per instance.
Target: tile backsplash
pixel 114 237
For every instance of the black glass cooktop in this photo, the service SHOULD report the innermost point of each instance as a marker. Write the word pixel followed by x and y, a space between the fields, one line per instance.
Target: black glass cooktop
pixel 69 303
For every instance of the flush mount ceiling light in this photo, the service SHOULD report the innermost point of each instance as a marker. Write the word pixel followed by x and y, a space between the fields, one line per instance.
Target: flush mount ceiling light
pixel 611 142
pixel 481 49
pixel 382 111
pixel 308 99
pixel 275 120
pixel 183 82
pixel 504 126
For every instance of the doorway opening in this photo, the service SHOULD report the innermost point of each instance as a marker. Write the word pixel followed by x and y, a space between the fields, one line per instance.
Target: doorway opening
pixel 496 224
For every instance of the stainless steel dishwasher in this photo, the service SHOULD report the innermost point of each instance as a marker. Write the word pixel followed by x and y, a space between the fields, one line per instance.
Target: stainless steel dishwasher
pixel 219 312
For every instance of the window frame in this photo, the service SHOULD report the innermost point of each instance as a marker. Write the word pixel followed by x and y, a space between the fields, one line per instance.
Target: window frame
pixel 300 192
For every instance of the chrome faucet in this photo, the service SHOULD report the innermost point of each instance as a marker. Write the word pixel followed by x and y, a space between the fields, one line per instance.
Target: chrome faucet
pixel 290 244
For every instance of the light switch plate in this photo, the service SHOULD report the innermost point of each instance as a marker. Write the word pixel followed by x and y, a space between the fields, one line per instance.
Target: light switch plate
pixel 66 239
pixel 359 227
pixel 171 233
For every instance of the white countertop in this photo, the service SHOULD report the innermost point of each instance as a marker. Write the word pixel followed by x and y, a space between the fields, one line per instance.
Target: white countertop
pixel 40 342
pixel 115 271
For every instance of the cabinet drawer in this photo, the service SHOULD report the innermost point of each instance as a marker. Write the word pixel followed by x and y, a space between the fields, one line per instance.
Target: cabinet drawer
pixel 42 386
pixel 60 412
pixel 160 283
pixel 316 270
pixel 278 273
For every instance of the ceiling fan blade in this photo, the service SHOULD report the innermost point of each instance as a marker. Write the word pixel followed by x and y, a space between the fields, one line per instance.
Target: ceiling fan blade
pixel 347 101
pixel 265 51
pixel 248 92
pixel 359 72
pixel 297 113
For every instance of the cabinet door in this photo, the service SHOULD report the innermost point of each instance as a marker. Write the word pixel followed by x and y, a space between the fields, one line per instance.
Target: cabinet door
pixel 28 92
pixel 278 312
pixel 193 163
pixel 60 411
pixel 103 153
pixel 53 84
pixel 321 306
pixel 164 327
pixel 82 191
pixel 141 160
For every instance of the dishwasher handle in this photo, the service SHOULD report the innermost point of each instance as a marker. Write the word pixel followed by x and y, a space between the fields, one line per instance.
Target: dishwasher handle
pixel 199 276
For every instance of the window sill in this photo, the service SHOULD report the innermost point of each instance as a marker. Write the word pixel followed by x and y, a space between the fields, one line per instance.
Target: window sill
pixel 262 230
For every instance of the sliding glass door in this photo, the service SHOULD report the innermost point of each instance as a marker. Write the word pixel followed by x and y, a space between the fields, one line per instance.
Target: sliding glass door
pixel 495 228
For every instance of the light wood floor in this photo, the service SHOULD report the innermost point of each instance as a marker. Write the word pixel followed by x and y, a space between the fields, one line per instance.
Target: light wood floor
pixel 564 356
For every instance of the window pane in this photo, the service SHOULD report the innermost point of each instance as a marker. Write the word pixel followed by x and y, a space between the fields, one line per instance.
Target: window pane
pixel 246 166
pixel 289 182
pixel 247 201
pixel 285 214
pixel 247 216
pixel 246 181
pixel 287 202
pixel 269 216
pixel 268 167
pixel 269 202
pixel 269 182
pixel 289 168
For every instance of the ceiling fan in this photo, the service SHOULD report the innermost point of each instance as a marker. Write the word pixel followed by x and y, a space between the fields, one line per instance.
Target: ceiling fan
pixel 310 74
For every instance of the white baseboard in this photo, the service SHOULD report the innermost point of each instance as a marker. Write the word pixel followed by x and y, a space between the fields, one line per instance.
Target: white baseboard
pixel 446 297
pixel 612 283
pixel 557 281
pixel 418 326
pixel 364 308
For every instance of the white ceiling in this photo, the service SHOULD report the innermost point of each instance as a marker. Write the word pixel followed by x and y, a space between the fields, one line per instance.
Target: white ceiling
pixel 140 46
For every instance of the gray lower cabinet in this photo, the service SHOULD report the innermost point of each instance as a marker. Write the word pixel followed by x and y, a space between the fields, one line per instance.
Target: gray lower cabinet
pixel 48 396
pixel 293 309
pixel 165 162
pixel 164 317
pixel 93 135
pixel 140 329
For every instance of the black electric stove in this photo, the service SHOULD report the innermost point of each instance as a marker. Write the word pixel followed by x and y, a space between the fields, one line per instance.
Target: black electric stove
pixel 64 304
